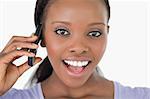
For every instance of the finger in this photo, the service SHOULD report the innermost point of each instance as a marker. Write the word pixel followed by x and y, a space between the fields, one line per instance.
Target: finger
pixel 16 45
pixel 22 68
pixel 24 38
pixel 20 45
pixel 21 39
pixel 9 57
pixel 24 49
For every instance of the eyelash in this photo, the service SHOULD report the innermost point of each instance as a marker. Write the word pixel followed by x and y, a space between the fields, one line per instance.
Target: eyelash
pixel 92 33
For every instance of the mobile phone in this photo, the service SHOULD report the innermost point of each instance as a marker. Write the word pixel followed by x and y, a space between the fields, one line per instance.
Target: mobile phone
pixel 38 33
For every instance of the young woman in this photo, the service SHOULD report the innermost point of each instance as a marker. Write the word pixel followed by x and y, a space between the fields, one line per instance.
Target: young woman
pixel 74 33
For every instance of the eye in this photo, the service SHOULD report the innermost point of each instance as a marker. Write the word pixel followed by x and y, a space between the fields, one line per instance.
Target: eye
pixel 62 32
pixel 95 33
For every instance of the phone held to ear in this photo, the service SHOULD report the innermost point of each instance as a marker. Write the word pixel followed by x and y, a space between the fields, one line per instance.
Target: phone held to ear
pixel 38 33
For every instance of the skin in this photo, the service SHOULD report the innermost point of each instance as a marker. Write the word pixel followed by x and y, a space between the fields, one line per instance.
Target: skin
pixel 79 17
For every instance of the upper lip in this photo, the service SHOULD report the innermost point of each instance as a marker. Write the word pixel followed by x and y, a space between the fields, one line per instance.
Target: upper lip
pixel 78 59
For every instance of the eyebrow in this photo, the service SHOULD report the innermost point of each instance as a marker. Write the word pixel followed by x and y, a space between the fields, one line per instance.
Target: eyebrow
pixel 68 23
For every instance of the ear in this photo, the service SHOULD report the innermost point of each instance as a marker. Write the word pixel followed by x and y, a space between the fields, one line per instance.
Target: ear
pixel 42 43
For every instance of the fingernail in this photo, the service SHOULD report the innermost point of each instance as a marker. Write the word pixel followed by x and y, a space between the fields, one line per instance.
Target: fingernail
pixel 35 45
pixel 32 35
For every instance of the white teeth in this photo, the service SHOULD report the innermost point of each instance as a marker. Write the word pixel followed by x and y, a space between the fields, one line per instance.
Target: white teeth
pixel 76 63
pixel 79 63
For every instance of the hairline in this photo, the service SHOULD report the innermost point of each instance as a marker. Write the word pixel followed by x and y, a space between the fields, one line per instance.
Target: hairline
pixel 50 2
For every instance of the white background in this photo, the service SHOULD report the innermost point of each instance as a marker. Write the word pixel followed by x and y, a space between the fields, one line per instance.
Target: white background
pixel 127 58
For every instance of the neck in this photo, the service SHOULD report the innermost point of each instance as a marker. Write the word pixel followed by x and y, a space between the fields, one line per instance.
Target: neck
pixel 54 87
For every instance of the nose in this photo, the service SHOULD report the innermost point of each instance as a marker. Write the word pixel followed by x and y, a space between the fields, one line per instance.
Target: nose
pixel 78 48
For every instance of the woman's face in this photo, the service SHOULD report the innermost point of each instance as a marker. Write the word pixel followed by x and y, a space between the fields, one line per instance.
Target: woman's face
pixel 75 37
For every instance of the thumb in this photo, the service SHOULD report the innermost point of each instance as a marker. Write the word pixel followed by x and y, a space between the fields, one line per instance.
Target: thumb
pixel 22 68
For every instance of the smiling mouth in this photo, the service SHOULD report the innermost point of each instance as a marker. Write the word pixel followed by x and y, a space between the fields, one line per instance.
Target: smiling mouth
pixel 76 67
pixel 76 63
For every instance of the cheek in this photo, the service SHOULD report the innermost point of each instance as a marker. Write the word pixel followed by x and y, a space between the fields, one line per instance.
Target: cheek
pixel 99 49
pixel 53 47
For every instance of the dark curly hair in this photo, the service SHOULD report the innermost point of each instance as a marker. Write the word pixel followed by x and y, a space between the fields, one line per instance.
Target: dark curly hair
pixel 45 68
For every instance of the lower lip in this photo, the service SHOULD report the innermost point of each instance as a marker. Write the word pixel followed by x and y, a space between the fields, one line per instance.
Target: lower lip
pixel 74 73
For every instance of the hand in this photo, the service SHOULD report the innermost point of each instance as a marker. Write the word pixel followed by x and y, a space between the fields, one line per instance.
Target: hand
pixel 9 72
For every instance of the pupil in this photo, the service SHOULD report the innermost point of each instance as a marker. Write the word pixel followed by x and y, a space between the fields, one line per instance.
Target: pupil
pixel 62 31
pixel 93 34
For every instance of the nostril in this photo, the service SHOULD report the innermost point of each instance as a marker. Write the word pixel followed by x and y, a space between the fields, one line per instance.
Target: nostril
pixel 72 51
pixel 78 51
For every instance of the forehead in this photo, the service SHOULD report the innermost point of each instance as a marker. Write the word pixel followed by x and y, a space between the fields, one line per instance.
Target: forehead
pixel 88 4
pixel 76 1
pixel 91 9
